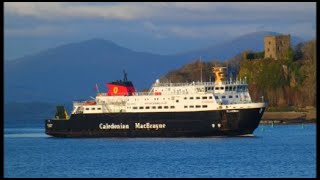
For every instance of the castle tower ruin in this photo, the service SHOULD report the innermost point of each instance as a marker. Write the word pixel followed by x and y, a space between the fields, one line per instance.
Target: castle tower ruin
pixel 276 47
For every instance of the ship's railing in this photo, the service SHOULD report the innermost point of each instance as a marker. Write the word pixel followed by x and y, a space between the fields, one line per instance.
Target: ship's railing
pixel 234 102
pixel 79 102
pixel 142 93
pixel 101 94
pixel 235 82
pixel 183 84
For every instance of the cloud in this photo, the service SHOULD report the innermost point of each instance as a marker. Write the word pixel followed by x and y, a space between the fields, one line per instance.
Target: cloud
pixel 197 20
pixel 227 31
pixel 36 31
pixel 170 11
pixel 62 10
pixel 199 32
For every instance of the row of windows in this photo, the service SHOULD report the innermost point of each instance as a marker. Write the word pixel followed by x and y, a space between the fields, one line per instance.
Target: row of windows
pixel 147 99
pixel 204 97
pixel 93 108
pixel 197 106
pixel 223 97
pixel 268 50
pixel 231 88
pixel 281 42
pixel 153 107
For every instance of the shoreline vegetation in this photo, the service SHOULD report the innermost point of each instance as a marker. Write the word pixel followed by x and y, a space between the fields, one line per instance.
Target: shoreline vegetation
pixel 289 115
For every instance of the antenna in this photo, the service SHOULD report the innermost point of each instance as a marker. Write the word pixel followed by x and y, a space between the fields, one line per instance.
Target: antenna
pixel 97 88
pixel 201 69
pixel 125 78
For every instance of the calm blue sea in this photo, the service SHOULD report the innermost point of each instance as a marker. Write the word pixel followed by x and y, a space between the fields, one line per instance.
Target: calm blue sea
pixel 279 151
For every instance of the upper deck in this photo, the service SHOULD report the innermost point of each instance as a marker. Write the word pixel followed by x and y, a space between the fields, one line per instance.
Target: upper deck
pixel 198 83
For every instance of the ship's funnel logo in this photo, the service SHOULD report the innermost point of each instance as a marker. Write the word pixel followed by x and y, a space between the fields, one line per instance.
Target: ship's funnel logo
pixel 115 90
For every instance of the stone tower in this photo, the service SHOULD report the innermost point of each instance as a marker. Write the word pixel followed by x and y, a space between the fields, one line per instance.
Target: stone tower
pixel 276 47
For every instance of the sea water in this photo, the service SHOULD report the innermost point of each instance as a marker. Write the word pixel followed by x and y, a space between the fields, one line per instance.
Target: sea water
pixel 272 151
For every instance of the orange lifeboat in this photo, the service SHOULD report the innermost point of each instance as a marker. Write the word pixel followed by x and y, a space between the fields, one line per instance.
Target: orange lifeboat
pixel 90 103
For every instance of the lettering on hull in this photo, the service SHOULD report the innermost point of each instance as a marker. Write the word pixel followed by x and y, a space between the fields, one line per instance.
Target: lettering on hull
pixel 232 111
pixel 149 126
pixel 113 126
pixel 137 126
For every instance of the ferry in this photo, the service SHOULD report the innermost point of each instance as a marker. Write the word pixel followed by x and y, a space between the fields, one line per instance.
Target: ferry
pixel 195 109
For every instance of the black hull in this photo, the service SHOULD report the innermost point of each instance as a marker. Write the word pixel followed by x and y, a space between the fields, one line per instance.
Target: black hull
pixel 162 124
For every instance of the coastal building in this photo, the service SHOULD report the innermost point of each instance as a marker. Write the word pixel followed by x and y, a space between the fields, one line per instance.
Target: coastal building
pixel 276 47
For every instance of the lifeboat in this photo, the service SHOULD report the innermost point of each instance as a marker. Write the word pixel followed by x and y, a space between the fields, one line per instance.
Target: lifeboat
pixel 90 103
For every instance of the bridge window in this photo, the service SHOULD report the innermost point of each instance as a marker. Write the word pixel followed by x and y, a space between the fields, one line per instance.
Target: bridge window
pixel 204 97
pixel 204 106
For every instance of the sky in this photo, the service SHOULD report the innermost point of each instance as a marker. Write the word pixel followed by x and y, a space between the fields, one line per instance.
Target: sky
pixel 155 27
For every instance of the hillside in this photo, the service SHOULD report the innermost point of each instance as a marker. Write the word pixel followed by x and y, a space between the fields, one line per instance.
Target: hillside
pixel 283 82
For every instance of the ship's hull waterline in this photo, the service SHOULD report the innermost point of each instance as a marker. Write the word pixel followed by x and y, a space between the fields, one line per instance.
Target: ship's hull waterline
pixel 234 122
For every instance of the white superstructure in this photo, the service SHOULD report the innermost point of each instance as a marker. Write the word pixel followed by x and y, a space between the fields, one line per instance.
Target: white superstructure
pixel 175 97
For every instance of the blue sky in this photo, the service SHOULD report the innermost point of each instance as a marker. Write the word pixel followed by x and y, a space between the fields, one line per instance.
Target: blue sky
pixel 156 27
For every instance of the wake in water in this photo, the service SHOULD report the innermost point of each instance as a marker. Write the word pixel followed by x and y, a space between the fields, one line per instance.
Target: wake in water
pixel 247 135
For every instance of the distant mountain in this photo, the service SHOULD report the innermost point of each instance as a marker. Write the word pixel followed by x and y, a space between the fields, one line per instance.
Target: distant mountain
pixel 70 72
pixel 253 41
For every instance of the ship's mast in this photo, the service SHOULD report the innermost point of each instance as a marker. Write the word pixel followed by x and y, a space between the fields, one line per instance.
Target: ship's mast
pixel 201 68
pixel 125 78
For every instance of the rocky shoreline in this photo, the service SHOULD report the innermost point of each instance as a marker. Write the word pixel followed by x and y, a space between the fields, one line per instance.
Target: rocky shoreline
pixel 288 117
